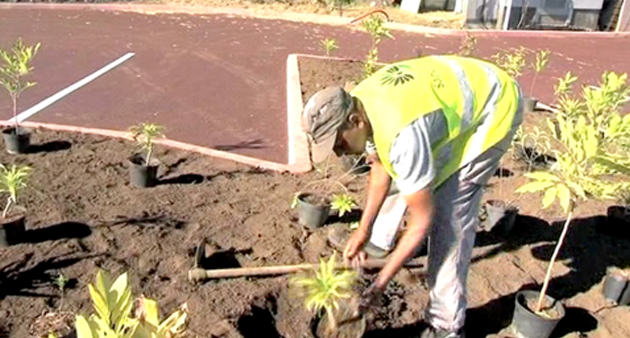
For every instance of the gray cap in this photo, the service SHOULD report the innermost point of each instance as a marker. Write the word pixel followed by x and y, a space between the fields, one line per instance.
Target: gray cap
pixel 323 114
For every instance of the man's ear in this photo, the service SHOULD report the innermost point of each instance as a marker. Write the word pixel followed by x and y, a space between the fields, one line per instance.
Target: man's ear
pixel 355 119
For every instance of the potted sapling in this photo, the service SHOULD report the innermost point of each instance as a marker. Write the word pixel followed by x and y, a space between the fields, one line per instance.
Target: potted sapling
pixel 325 293
pixel 12 227
pixel 584 169
pixel 329 45
pixel 374 25
pixel 144 168
pixel 539 65
pixel 16 65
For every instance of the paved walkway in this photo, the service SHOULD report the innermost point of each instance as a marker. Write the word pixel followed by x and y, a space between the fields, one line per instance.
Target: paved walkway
pixel 219 81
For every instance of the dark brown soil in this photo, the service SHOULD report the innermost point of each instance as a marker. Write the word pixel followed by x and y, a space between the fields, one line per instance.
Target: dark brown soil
pixel 337 73
pixel 83 214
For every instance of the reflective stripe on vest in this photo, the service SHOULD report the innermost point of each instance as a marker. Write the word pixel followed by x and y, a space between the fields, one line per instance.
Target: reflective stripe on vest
pixel 478 101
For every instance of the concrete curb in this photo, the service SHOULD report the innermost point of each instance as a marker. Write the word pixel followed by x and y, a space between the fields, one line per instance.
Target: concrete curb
pixel 305 17
pixel 165 142
pixel 298 143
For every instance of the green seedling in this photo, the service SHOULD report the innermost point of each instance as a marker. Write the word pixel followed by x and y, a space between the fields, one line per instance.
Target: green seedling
pixel 60 282
pixel 15 67
pixel 343 204
pixel 542 60
pixel 12 180
pixel 374 25
pixel 326 289
pixel 468 45
pixel 329 45
pixel 512 63
pixel 145 134
pixel 113 304
pixel 532 147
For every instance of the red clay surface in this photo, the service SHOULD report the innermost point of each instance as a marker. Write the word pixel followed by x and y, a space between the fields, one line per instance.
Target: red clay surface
pixel 219 81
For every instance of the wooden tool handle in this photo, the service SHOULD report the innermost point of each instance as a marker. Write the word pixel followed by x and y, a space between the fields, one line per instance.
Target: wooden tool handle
pixel 201 274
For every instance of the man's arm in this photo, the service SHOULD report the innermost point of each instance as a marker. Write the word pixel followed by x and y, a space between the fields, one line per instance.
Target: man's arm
pixel 420 206
pixel 378 187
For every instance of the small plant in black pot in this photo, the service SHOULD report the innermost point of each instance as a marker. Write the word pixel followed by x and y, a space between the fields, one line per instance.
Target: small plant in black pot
pixel 325 293
pixel 144 168
pixel 16 65
pixel 314 205
pixel 12 227
pixel 616 287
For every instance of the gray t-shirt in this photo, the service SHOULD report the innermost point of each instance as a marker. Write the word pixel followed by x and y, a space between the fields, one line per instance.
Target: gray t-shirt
pixel 411 155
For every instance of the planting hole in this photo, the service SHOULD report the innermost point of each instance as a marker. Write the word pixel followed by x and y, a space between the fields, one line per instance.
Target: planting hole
pixel 259 322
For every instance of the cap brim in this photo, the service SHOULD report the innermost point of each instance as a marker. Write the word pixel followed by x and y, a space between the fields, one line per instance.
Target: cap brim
pixel 322 150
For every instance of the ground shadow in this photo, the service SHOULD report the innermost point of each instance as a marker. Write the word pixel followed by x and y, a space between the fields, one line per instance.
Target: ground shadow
pixel 503 172
pixel 260 321
pixel 224 259
pixel 49 147
pixel 19 277
pixel 146 220
pixel 182 179
pixel 527 230
pixel 589 255
pixel 55 232
pixel 348 217
pixel 253 144
pixel 408 331
pixel 496 315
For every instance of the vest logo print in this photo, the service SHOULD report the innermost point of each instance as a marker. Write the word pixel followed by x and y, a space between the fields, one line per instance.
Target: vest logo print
pixel 397 75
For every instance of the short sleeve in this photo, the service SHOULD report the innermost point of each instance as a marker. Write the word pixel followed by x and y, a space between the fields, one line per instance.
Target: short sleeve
pixel 411 158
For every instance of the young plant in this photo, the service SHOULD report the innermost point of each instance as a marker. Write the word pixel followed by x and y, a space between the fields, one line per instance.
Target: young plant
pixel 533 148
pixel 468 45
pixel 12 180
pixel 16 65
pixel 512 63
pixel 145 134
pixel 113 305
pixel 542 60
pixel 583 170
pixel 326 289
pixel 148 315
pixel 60 282
pixel 329 45
pixel 374 25
pixel 343 203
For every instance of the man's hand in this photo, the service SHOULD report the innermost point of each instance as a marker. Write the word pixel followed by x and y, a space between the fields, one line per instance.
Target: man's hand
pixel 353 251
pixel 371 298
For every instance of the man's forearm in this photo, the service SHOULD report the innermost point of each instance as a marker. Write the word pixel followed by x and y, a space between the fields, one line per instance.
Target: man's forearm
pixel 377 192
pixel 406 247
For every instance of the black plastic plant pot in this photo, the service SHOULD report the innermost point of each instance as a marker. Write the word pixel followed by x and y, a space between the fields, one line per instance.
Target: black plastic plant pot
pixel 140 174
pixel 529 104
pixel 624 300
pixel 12 228
pixel 313 210
pixel 527 324
pixel 614 286
pixel 500 216
pixel 16 142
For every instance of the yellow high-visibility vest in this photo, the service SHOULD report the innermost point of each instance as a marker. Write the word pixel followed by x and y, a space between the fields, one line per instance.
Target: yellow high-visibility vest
pixel 478 99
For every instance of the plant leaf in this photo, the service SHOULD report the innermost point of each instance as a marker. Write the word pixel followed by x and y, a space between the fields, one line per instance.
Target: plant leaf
pixel 550 196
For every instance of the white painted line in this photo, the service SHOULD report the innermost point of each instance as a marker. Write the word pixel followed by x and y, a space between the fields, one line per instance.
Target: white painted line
pixel 47 102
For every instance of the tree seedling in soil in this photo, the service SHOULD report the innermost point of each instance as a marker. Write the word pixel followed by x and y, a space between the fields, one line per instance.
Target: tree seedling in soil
pixel 329 45
pixel 539 65
pixel 60 281
pixel 532 148
pixel 15 67
pixel 326 289
pixel 12 180
pixel 113 304
pixel 468 45
pixel 512 63
pixel 374 25
pixel 145 134
pixel 584 169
